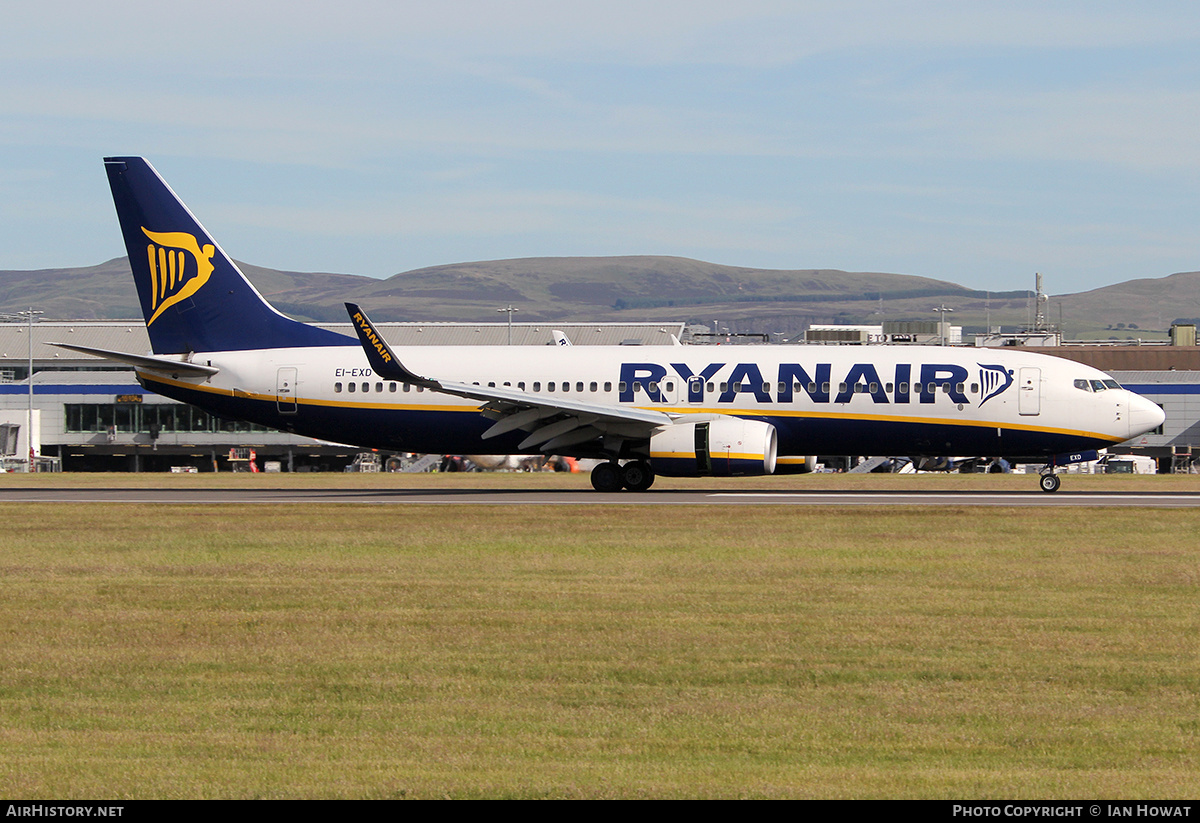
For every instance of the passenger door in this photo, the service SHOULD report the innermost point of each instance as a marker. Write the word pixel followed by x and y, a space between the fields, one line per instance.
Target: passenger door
pixel 1029 393
pixel 285 390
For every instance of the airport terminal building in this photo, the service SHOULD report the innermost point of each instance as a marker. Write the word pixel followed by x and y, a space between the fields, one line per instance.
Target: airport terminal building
pixel 87 414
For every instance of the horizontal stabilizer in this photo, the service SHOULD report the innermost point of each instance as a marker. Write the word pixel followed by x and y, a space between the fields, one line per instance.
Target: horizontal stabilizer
pixel 145 361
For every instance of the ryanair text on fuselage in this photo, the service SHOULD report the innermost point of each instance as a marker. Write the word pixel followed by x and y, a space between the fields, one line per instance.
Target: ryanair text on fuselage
pixel 729 381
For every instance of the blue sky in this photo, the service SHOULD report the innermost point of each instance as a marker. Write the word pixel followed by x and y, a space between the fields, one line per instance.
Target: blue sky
pixel 973 142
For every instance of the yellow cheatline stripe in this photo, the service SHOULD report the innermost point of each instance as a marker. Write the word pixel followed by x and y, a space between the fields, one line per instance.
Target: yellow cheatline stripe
pixel 876 418
pixel 712 456
pixel 892 418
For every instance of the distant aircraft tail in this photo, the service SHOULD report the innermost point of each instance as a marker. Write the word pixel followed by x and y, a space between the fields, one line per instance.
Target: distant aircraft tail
pixel 193 296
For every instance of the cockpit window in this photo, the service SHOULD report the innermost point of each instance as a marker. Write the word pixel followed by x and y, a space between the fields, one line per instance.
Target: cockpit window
pixel 1112 384
pixel 1098 385
pixel 1085 385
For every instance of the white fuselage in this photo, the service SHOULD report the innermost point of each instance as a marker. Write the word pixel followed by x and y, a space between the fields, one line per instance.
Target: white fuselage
pixel 822 399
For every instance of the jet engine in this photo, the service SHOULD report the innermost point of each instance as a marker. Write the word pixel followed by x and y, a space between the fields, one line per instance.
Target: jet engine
pixel 719 447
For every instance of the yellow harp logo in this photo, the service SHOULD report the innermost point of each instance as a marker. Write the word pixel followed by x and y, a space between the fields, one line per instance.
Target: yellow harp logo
pixel 171 278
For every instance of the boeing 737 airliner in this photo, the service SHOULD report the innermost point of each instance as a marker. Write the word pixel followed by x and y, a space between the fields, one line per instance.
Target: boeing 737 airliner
pixel 685 411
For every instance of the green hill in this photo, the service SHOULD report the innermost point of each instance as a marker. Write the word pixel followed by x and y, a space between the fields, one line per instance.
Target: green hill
pixel 645 288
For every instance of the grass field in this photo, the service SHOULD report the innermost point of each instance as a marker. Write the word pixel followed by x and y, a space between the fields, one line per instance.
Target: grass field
pixel 597 651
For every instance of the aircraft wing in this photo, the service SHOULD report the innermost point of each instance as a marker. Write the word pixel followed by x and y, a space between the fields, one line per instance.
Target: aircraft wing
pixel 553 422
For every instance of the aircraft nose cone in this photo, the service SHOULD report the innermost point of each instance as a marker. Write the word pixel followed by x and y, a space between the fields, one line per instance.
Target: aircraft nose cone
pixel 1144 415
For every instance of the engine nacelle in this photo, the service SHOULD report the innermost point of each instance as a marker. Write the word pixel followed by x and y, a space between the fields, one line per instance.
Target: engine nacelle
pixel 720 447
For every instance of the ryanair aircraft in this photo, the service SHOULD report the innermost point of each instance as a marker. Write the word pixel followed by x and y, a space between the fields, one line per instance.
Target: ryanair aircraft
pixel 678 411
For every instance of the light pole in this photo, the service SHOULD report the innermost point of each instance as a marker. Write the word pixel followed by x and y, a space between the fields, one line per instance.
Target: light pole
pixel 29 314
pixel 509 308
pixel 942 324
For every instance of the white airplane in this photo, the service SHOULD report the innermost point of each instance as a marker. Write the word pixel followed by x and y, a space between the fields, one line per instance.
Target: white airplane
pixel 644 411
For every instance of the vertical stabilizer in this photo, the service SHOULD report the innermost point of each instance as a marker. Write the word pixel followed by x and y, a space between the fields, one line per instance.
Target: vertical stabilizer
pixel 193 296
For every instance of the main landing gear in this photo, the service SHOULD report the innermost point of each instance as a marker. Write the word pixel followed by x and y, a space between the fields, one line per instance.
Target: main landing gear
pixel 637 476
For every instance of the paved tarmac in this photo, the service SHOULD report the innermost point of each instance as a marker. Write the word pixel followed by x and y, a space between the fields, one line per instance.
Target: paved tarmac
pixel 576 497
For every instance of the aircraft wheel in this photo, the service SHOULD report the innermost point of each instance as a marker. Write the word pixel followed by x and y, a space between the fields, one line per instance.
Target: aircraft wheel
pixel 637 476
pixel 606 477
pixel 1050 482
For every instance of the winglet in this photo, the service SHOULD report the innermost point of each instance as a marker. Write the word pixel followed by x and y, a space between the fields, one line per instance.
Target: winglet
pixel 381 357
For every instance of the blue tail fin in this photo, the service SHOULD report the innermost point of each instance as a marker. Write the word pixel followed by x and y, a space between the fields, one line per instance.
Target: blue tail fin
pixel 193 295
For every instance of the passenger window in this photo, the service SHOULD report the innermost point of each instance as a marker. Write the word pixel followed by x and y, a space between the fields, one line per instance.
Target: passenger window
pixel 958 387
pixel 578 387
pixel 379 387
pixel 737 387
pixel 351 387
pixel 550 386
pixel 592 387
pixel 841 388
pixel 652 387
pixel 904 388
pixel 537 385
pixel 608 385
pixel 637 386
pixel 874 388
pixel 825 388
pixel 407 387
pixel 709 388
pixel 392 387
pixel 521 385
pixel 724 387
pixel 974 388
pixel 621 387
pixel 888 388
pixel 337 387
pixel 567 386
pixel 366 386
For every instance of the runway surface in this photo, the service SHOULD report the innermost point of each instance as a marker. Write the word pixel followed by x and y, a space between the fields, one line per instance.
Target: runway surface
pixel 542 497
